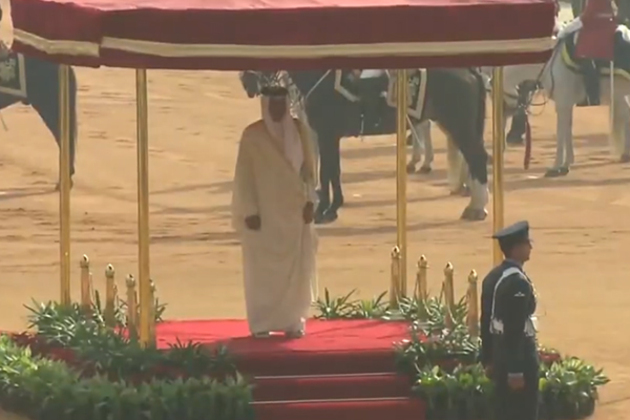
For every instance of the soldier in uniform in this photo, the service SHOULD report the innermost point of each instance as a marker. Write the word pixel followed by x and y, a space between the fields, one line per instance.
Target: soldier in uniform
pixel 508 337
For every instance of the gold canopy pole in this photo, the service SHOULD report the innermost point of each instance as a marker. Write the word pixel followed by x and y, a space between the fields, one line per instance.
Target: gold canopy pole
pixel 64 183
pixel 144 282
pixel 401 182
pixel 498 142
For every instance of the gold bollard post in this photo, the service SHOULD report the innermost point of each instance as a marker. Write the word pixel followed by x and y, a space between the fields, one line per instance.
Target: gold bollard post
pixel 91 288
pixel 132 307
pixel 65 181
pixel 449 293
pixel 152 310
pixel 110 296
pixel 394 290
pixel 144 267
pixel 421 279
pixel 472 318
pixel 86 297
pixel 498 143
pixel 402 105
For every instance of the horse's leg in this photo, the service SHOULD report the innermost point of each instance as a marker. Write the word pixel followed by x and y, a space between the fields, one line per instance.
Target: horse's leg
pixel 469 135
pixel 621 115
pixel 315 143
pixel 458 102
pixel 566 89
pixel 625 104
pixel 564 128
pixel 330 215
pixel 506 118
pixel 425 130
pixel 51 119
pixel 625 157
pixel 46 102
pixel 324 176
pixel 457 171
pixel 477 160
pixel 417 144
pixel 465 179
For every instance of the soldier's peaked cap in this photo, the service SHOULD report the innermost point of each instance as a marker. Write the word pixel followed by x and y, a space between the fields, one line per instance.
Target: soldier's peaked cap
pixel 513 234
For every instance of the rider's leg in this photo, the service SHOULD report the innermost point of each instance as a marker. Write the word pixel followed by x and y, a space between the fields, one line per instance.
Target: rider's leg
pixel 591 82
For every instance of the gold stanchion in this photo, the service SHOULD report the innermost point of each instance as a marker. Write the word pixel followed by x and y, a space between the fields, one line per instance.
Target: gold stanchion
pixel 473 305
pixel 394 288
pixel 86 284
pixel 421 279
pixel 110 296
pixel 449 293
pixel 64 183
pixel 152 311
pixel 402 88
pixel 132 307
pixel 142 108
pixel 498 143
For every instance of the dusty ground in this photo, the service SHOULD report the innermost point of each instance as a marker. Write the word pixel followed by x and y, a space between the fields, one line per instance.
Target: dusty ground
pixel 580 223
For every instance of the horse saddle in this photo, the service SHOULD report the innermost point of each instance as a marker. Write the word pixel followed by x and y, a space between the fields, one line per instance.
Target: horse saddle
pixel 367 89
pixel 12 72
pixel 621 57
pixel 375 93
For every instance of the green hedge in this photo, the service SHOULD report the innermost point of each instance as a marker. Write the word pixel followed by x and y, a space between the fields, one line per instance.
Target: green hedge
pixel 444 361
pixel 40 388
pixel 75 368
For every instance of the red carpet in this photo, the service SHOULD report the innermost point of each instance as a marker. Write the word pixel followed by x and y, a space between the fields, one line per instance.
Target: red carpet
pixel 329 347
pixel 390 409
pixel 377 385
pixel 341 370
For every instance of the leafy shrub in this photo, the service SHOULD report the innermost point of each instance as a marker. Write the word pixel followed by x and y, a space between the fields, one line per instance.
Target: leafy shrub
pixel 40 388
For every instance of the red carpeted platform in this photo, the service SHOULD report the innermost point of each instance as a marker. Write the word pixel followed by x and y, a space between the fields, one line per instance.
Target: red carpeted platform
pixel 341 370
pixel 329 347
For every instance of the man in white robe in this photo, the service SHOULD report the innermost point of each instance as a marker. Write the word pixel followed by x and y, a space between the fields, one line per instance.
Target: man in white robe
pixel 272 211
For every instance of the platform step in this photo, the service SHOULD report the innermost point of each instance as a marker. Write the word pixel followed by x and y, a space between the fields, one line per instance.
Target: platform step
pixel 356 409
pixel 319 363
pixel 331 387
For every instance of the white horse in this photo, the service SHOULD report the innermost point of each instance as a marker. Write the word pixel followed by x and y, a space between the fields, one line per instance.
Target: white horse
pixel 566 88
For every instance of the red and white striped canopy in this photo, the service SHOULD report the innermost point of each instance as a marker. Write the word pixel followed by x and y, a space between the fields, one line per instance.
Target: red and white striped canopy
pixel 287 34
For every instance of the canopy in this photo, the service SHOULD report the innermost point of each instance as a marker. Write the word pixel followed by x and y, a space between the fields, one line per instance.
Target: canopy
pixel 287 34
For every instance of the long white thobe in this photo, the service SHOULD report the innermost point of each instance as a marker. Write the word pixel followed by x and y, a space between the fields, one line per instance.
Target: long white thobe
pixel 279 264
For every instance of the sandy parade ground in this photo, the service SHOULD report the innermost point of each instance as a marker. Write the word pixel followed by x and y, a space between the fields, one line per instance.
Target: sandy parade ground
pixel 580 223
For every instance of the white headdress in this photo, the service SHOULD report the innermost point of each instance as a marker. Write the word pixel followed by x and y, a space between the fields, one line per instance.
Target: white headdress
pixel 284 131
